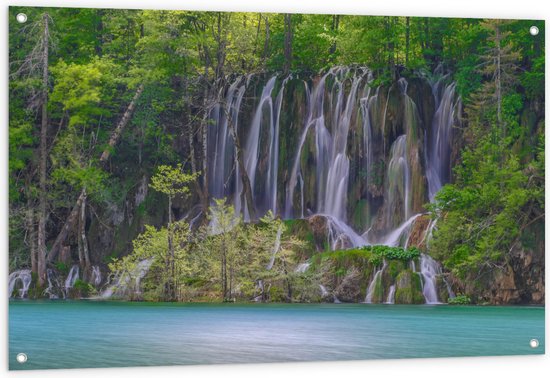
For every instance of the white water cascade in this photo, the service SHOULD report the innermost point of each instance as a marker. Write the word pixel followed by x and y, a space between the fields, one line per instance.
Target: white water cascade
pixel 128 284
pixel 221 142
pixel 341 235
pixel 96 275
pixel 439 139
pixel 429 270
pixel 252 152
pixel 53 290
pixel 73 275
pixel 302 268
pixel 276 248
pixel 399 184
pixel 315 117
pixel 375 280
pixel 391 295
pixel 24 278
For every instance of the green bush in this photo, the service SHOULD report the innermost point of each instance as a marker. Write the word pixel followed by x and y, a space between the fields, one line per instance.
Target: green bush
pixel 84 288
pixel 459 300
pixel 62 267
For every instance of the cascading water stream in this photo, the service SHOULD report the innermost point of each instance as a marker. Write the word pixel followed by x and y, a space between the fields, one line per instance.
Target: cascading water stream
pixel 315 118
pixel 399 184
pixel 302 268
pixel 336 185
pixel 251 153
pixel 273 157
pixel 128 284
pixel 429 270
pixel 391 295
pixel 73 275
pixel 24 278
pixel 96 276
pixel 276 248
pixel 375 281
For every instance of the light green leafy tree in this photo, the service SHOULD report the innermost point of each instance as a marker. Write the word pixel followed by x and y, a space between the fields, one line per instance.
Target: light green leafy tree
pixel 171 181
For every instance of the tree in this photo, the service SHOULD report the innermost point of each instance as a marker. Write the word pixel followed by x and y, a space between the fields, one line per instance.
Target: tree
pixel 499 65
pixel 288 43
pixel 150 248
pixel 172 182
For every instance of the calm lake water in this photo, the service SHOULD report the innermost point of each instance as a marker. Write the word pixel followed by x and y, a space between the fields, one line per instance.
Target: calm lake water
pixel 65 334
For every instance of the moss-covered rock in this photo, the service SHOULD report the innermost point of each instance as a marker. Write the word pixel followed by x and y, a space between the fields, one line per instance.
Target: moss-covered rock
pixel 408 288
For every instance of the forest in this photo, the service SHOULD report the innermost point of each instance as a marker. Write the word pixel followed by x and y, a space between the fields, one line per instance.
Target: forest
pixel 213 156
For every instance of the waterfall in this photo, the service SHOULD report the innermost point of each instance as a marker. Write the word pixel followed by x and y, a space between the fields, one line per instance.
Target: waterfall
pixel 375 280
pixel 302 268
pixel 71 278
pixel 276 248
pixel 273 157
pixel 429 270
pixel 391 295
pixel 53 285
pixel 128 284
pixel 394 238
pixel 22 276
pixel 337 172
pixel 399 187
pixel 315 118
pixel 96 275
pixel 222 162
pixel 324 291
pixel 345 130
pixel 439 138
pixel 252 152
pixel 341 235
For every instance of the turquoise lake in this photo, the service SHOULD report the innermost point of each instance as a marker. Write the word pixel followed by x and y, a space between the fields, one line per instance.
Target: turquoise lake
pixel 87 334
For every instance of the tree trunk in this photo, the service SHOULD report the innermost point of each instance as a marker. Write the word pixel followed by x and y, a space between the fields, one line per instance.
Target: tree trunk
pixel 170 257
pixel 224 270
pixel 335 24
pixel 115 136
pixel 288 44
pixel 230 281
pixel 73 216
pixel 85 249
pixel 204 139
pixel 266 42
pixel 498 82
pixel 407 40
pixel 31 232
pixel 43 158
pixel 191 137
pixel 220 54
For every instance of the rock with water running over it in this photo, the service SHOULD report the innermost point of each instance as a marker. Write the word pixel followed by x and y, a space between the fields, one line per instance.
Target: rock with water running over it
pixel 408 288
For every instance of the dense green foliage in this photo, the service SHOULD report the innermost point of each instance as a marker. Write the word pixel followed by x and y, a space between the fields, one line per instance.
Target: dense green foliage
pixel 498 190
pixel 460 300
pixel 372 254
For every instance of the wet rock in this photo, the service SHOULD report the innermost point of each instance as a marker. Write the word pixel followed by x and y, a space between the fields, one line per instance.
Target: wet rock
pixel 408 288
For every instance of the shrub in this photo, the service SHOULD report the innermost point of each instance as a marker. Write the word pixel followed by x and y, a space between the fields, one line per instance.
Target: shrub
pixel 459 300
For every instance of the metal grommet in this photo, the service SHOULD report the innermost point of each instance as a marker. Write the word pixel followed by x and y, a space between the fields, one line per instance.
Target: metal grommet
pixel 21 18
pixel 21 358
